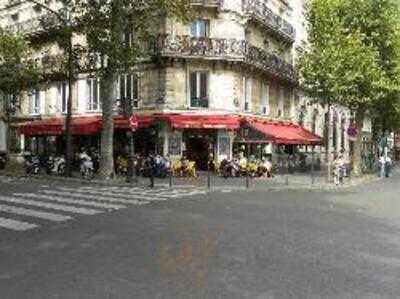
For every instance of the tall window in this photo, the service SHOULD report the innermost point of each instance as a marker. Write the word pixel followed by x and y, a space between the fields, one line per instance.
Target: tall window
pixel 199 89
pixel 247 93
pixel 93 96
pixel 129 88
pixel 34 101
pixel 199 28
pixel 281 102
pixel 265 99
pixel 63 91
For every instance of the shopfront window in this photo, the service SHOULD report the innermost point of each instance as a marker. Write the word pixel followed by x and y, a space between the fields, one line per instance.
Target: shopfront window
pixel 174 145
pixel 93 100
pixel 199 89
pixel 34 101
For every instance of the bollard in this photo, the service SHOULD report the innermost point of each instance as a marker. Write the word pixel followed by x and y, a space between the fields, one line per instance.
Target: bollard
pixel 247 179
pixel 208 178
pixel 312 167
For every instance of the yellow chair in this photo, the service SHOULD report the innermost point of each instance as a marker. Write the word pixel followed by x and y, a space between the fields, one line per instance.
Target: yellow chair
pixel 176 166
pixel 192 169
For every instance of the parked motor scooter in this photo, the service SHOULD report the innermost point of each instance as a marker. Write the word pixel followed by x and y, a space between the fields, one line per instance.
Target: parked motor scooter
pixel 86 166
pixel 55 165
pixel 230 168
pixel 32 164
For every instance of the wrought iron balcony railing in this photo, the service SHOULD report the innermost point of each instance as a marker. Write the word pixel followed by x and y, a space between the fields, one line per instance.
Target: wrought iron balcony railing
pixel 35 25
pixel 207 3
pixel 258 10
pixel 225 49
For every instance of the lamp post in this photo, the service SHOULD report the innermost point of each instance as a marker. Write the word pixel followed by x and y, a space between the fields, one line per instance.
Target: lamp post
pixel 66 21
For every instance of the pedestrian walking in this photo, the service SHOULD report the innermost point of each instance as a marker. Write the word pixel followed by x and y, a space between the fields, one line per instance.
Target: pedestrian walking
pixel 338 169
pixel 385 163
pixel 150 169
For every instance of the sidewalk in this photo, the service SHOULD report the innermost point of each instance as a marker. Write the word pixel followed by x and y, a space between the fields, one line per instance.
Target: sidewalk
pixel 295 181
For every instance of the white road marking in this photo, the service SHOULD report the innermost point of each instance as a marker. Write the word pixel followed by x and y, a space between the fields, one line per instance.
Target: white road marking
pixel 72 201
pixel 47 205
pixel 33 213
pixel 16 225
pixel 96 197
pixel 129 195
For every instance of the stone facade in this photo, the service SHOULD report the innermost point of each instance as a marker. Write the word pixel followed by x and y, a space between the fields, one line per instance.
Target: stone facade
pixel 237 55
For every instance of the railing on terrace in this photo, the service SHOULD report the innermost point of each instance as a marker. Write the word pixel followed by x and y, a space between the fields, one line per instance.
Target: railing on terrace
pixel 258 10
pixel 207 3
pixel 225 49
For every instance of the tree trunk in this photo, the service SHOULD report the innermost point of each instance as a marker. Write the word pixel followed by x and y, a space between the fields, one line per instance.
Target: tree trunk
pixel 107 91
pixel 359 122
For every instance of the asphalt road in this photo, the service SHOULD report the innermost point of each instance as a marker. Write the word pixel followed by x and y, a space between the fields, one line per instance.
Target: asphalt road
pixel 238 244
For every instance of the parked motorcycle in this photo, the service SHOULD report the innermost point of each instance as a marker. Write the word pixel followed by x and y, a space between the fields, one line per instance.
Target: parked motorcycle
pixel 32 164
pixel 55 165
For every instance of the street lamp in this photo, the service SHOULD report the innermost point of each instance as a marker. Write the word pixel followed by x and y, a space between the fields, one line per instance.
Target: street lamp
pixel 66 21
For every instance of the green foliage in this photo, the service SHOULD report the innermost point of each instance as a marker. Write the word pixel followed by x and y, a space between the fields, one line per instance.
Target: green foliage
pixel 18 72
pixel 353 54
pixel 107 23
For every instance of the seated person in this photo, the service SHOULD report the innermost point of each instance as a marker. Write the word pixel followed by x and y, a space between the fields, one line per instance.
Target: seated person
pixel 184 166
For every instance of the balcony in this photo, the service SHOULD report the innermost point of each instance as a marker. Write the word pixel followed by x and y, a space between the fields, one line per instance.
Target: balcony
pixel 225 49
pixel 35 26
pixel 258 11
pixel 207 3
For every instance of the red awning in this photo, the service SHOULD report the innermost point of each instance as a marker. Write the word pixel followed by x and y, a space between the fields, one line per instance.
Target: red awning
pixel 79 125
pixel 284 133
pixel 192 121
pixel 56 126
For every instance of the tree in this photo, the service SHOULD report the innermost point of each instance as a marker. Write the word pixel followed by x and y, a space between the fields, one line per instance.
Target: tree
pixel 352 57
pixel 106 24
pixel 18 72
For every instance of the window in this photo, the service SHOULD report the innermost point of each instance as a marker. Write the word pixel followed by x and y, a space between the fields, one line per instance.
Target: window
pixel 247 94
pixel 129 89
pixel 342 132
pixel 199 28
pixel 199 89
pixel 281 102
pixel 93 99
pixel 63 92
pixel 127 38
pixel 34 101
pixel 265 99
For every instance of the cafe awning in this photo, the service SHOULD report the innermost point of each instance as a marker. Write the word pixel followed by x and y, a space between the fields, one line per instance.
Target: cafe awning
pixel 195 121
pixel 56 126
pixel 284 133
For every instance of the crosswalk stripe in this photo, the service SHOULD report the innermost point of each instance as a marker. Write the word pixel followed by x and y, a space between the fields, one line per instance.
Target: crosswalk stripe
pixel 47 205
pixel 96 197
pixel 72 201
pixel 115 194
pixel 16 225
pixel 158 193
pixel 33 213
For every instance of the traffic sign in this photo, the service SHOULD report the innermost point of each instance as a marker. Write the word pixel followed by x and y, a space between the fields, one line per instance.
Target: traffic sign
pixel 133 122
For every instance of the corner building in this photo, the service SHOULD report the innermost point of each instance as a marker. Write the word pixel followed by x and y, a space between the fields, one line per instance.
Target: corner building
pixel 223 84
